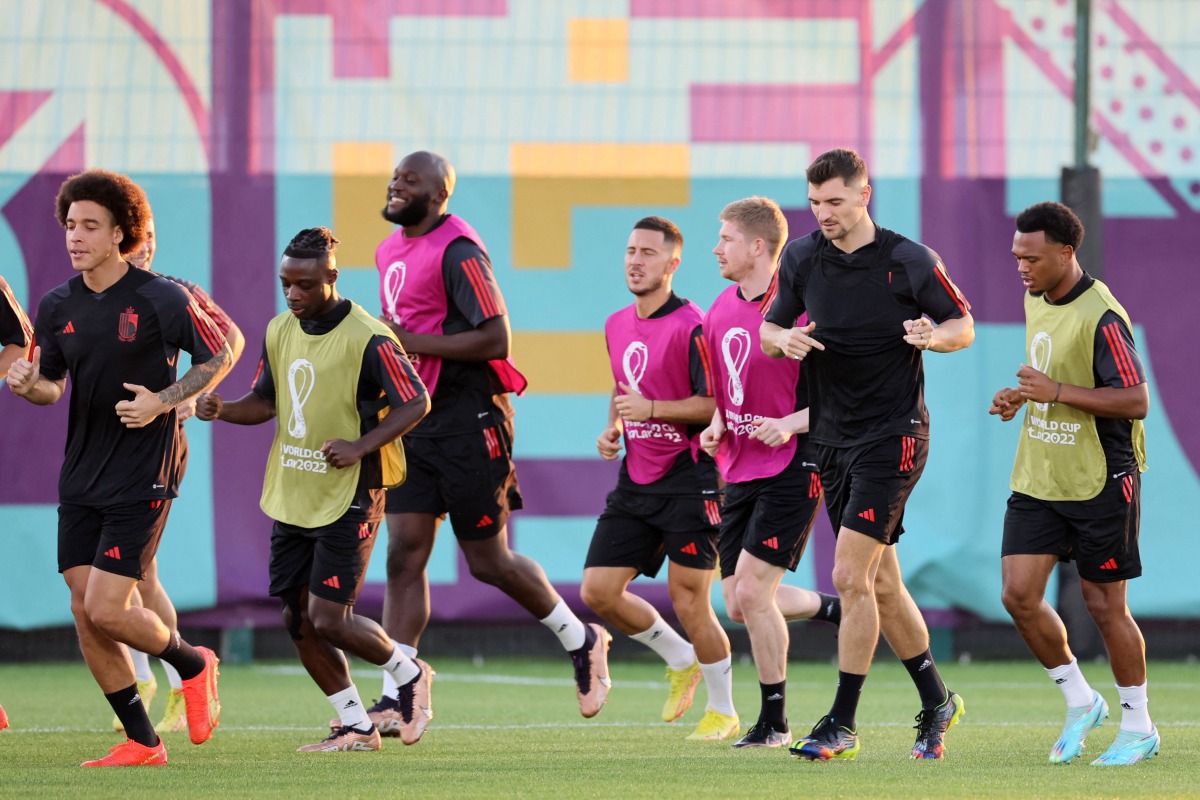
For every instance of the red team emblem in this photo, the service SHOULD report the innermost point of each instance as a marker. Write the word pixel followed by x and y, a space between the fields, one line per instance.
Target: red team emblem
pixel 127 326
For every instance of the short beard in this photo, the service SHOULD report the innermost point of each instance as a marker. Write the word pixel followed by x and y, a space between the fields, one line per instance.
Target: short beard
pixel 411 213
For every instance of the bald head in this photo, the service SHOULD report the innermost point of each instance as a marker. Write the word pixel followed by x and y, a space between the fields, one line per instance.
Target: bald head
pixel 436 168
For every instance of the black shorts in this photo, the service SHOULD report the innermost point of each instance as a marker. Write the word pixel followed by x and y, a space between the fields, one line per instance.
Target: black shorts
pixel 770 518
pixel 471 477
pixel 640 530
pixel 1100 535
pixel 867 485
pixel 331 560
pixel 121 538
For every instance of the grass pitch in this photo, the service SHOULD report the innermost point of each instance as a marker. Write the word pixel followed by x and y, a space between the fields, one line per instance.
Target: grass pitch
pixel 511 728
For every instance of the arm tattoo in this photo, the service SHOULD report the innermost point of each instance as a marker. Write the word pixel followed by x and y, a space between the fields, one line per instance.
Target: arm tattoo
pixel 197 379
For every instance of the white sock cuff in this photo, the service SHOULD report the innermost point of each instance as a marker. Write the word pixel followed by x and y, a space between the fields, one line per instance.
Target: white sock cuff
pixel 400 667
pixel 566 626
pixel 349 708
pixel 718 681
pixel 1133 696
pixel 1065 671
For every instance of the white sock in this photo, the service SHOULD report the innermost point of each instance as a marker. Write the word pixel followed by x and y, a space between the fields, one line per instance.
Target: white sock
pixel 1075 687
pixel 663 639
pixel 141 665
pixel 173 677
pixel 350 709
pixel 390 688
pixel 718 680
pixel 566 626
pixel 399 667
pixel 1135 715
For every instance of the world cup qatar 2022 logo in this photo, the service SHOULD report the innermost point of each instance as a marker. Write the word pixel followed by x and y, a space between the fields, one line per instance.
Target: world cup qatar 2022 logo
pixel 1039 357
pixel 302 376
pixel 735 350
pixel 633 363
pixel 393 284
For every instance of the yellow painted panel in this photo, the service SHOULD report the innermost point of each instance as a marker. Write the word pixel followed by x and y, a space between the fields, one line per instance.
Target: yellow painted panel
pixel 360 177
pixel 543 160
pixel 541 211
pixel 362 158
pixel 598 50
pixel 563 363
pixel 357 201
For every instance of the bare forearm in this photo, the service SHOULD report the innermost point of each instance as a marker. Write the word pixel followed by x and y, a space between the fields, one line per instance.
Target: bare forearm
pixel 767 335
pixel 237 343
pixel 1131 402
pixel 197 379
pixel 796 422
pixel 953 334
pixel 694 410
pixel 45 392
pixel 398 422
pixel 9 354
pixel 490 341
pixel 250 409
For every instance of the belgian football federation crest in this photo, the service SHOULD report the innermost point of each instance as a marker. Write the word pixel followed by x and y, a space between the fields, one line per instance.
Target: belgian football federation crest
pixel 127 325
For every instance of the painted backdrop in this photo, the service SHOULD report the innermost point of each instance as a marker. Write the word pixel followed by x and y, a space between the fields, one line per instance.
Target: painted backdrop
pixel 247 120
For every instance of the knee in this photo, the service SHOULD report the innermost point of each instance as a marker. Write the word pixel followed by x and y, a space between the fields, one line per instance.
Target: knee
pixel 1101 607
pixel 326 623
pixel 851 584
pixel 734 612
pixel 401 557
pixel 595 596
pixel 1018 603
pixel 684 600
pixel 104 616
pixel 750 596
pixel 491 572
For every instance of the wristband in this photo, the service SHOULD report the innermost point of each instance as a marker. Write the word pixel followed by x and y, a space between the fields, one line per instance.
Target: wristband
pixel 1057 393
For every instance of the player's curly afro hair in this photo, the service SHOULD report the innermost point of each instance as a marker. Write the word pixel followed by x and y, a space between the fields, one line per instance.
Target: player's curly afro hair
pixel 123 198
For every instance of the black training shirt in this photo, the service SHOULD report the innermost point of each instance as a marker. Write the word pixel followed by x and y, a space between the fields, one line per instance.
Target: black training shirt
pixel 868 383
pixel 130 333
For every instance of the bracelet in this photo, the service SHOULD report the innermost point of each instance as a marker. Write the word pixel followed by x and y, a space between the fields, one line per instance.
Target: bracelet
pixel 1056 394
pixel 651 408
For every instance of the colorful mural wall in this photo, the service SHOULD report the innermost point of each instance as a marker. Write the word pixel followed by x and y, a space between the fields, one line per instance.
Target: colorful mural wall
pixel 567 120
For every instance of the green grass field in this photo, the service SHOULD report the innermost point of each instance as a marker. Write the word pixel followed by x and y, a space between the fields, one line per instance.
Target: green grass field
pixel 511 728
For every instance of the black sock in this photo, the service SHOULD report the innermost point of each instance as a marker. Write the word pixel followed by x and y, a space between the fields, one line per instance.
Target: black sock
pixel 589 639
pixel 186 659
pixel 929 682
pixel 830 610
pixel 129 709
pixel 845 702
pixel 774 705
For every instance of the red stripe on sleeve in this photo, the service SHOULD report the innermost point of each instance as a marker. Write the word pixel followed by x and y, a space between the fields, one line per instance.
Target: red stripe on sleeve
pixel 1125 365
pixel 207 330
pixel 949 286
pixel 702 348
pixel 487 302
pixel 399 378
pixel 214 311
pixel 769 297
pixel 257 374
